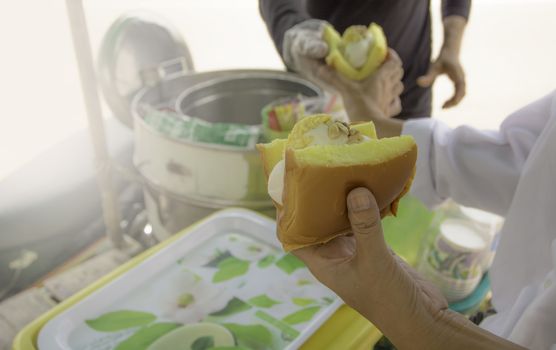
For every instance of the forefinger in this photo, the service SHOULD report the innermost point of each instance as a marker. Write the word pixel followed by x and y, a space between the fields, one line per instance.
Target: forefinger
pixel 394 57
pixel 392 66
pixel 459 93
pixel 306 254
pixel 339 248
pixel 312 46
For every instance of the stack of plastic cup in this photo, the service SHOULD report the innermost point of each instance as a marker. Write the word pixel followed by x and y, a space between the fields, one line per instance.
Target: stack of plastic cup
pixel 453 260
pixel 460 248
pixel 489 226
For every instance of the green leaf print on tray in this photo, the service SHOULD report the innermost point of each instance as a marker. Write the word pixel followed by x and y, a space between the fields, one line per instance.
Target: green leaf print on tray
pixel 289 263
pixel 199 336
pixel 266 261
pixel 234 306
pixel 303 301
pixel 119 320
pixel 301 316
pixel 230 268
pixel 144 337
pixel 203 343
pixel 254 337
pixel 288 332
pixel 262 301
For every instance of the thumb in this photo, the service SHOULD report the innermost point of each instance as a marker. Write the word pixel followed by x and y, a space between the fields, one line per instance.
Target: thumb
pixel 364 216
pixel 314 48
pixel 311 45
pixel 429 78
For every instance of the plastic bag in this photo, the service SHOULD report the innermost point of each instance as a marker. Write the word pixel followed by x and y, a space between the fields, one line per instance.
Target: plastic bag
pixel 191 129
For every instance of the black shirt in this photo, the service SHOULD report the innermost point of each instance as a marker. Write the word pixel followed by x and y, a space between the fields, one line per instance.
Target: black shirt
pixel 406 23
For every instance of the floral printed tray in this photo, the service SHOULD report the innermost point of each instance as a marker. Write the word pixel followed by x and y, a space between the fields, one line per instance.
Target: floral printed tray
pixel 225 285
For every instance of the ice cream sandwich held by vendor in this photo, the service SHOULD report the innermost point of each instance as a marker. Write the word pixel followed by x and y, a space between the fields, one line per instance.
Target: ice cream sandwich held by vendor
pixel 311 172
pixel 358 52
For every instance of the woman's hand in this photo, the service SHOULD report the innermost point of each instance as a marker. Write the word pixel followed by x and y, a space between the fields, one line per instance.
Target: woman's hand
pixel 370 278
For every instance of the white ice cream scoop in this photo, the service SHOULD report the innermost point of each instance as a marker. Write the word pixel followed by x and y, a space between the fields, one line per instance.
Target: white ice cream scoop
pixel 276 181
pixel 321 136
pixel 356 53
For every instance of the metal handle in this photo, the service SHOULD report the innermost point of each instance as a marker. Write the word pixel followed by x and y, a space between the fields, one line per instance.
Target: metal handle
pixel 164 71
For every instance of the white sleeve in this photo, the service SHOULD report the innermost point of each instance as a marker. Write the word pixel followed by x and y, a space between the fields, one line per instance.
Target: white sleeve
pixel 476 168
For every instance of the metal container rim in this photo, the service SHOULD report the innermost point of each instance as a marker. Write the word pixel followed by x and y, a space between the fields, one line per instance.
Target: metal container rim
pixel 139 122
pixel 285 76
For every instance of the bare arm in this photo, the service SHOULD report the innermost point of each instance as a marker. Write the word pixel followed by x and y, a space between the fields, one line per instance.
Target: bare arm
pixel 454 27
pixel 455 14
pixel 408 309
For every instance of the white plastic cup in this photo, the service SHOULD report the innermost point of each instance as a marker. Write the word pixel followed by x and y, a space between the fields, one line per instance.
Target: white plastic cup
pixel 452 289
pixel 453 260
pixel 489 226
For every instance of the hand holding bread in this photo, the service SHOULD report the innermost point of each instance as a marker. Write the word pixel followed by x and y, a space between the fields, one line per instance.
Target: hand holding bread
pixel 320 162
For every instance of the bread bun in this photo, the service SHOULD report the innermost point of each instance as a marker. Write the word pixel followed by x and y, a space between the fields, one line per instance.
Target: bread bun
pixel 318 178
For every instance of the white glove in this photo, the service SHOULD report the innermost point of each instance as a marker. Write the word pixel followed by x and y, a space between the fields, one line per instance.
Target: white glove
pixel 302 42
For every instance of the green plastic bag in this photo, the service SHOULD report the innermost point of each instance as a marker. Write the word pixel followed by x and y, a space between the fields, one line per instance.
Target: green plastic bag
pixel 191 129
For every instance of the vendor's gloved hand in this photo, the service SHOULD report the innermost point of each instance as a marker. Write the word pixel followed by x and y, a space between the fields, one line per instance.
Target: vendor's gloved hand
pixel 303 42
pixel 370 278
pixel 304 50
pixel 376 97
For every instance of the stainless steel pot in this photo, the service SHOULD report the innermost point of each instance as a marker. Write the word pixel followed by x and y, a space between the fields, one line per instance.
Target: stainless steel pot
pixel 239 98
pixel 188 180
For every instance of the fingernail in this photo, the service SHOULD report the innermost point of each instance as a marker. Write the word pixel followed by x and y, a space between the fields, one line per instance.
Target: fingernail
pixel 359 201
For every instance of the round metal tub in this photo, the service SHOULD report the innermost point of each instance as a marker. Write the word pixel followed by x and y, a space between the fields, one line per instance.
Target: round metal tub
pixel 241 97
pixel 186 181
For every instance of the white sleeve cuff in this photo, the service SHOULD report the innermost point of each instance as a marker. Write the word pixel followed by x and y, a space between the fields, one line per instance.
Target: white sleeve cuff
pixel 423 186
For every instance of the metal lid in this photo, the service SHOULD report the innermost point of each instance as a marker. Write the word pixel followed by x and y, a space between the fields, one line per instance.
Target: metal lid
pixel 139 49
